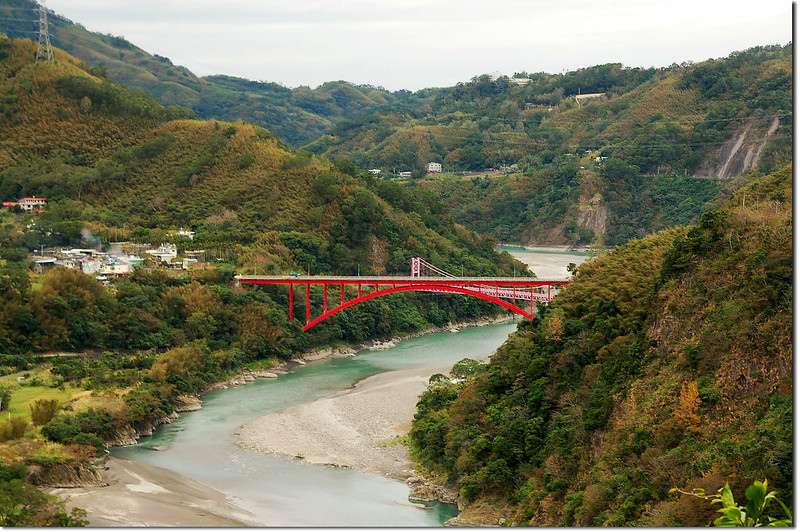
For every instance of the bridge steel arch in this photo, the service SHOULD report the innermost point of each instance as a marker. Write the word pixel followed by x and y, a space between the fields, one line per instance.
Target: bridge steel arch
pixel 421 288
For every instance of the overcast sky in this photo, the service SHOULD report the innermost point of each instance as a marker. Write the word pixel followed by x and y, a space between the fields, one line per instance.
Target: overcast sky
pixel 414 44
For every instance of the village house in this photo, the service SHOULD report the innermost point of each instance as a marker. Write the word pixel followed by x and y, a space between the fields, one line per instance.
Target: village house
pixel 164 252
pixel 28 204
pixel 434 168
pixel 90 262
pixel 186 232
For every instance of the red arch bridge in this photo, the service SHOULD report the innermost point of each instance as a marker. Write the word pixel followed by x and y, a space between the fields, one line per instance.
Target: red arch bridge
pixel 498 290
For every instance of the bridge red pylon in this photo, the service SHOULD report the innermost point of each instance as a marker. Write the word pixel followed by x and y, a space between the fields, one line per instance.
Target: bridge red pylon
pixel 494 289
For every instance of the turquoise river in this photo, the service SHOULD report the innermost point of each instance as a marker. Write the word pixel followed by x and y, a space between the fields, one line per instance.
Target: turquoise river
pixel 281 491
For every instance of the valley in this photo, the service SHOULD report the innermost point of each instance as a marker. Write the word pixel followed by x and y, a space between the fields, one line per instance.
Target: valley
pixel 136 194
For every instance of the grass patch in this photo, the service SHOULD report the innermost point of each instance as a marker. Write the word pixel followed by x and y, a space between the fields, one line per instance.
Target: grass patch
pixel 262 364
pixel 99 400
pixel 23 396
pixel 397 440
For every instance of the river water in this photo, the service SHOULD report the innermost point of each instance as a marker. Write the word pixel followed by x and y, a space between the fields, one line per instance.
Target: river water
pixel 281 491
pixel 547 263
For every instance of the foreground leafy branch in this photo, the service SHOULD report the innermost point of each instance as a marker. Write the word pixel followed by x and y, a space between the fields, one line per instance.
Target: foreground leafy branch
pixel 749 515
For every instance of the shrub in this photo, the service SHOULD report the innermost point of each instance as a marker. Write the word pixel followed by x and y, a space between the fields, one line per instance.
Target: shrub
pixel 246 161
pixel 43 410
pixel 23 504
pixel 12 471
pixel 13 428
pixel 469 490
pixel 5 399
pixel 50 455
pixel 92 440
pixel 61 429
pixel 750 515
pixel 68 429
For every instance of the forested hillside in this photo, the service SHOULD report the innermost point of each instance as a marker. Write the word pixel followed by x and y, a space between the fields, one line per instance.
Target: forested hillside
pixel 665 363
pixel 663 121
pixel 115 164
pixel 647 153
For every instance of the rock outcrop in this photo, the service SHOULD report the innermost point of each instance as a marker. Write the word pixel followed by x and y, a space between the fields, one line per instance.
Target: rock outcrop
pixel 74 475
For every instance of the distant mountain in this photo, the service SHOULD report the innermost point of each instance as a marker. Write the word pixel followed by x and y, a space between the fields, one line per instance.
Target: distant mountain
pixel 298 116
pixel 668 121
pixel 602 154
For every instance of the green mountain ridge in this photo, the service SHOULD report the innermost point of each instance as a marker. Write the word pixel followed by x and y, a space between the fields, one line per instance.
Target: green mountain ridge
pixel 120 163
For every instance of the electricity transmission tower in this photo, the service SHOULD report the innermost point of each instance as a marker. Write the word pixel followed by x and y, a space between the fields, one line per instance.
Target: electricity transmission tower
pixel 43 54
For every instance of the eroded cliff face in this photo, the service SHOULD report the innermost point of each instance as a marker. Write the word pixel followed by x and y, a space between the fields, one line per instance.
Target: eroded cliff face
pixel 741 152
pixel 593 214
pixel 75 475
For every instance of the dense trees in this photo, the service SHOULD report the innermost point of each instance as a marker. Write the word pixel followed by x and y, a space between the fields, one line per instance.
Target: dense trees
pixel 666 362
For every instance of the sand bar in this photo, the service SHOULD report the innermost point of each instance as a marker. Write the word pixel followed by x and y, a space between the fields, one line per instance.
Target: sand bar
pixel 140 494
pixel 355 428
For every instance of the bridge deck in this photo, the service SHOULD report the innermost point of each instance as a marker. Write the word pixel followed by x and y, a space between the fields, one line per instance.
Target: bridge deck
pixel 399 279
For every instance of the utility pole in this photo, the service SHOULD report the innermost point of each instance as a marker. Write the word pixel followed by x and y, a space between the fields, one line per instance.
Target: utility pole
pixel 43 54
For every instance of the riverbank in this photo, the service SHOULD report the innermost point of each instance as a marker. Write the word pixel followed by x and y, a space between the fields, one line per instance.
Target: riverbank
pixel 361 427
pixel 134 486
pixel 139 494
pixel 348 351
pixel 567 248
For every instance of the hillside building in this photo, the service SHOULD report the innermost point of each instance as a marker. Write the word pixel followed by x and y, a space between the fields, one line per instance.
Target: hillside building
pixel 28 204
pixel 186 232
pixel 581 97
pixel 164 252
pixel 434 168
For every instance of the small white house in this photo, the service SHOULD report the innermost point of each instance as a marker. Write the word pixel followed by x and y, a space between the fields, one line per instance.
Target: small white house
pixel 116 267
pixel 434 168
pixel 164 253
pixel 28 204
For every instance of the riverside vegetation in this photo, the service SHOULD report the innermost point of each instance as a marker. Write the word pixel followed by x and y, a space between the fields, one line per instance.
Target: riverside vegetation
pixel 665 363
